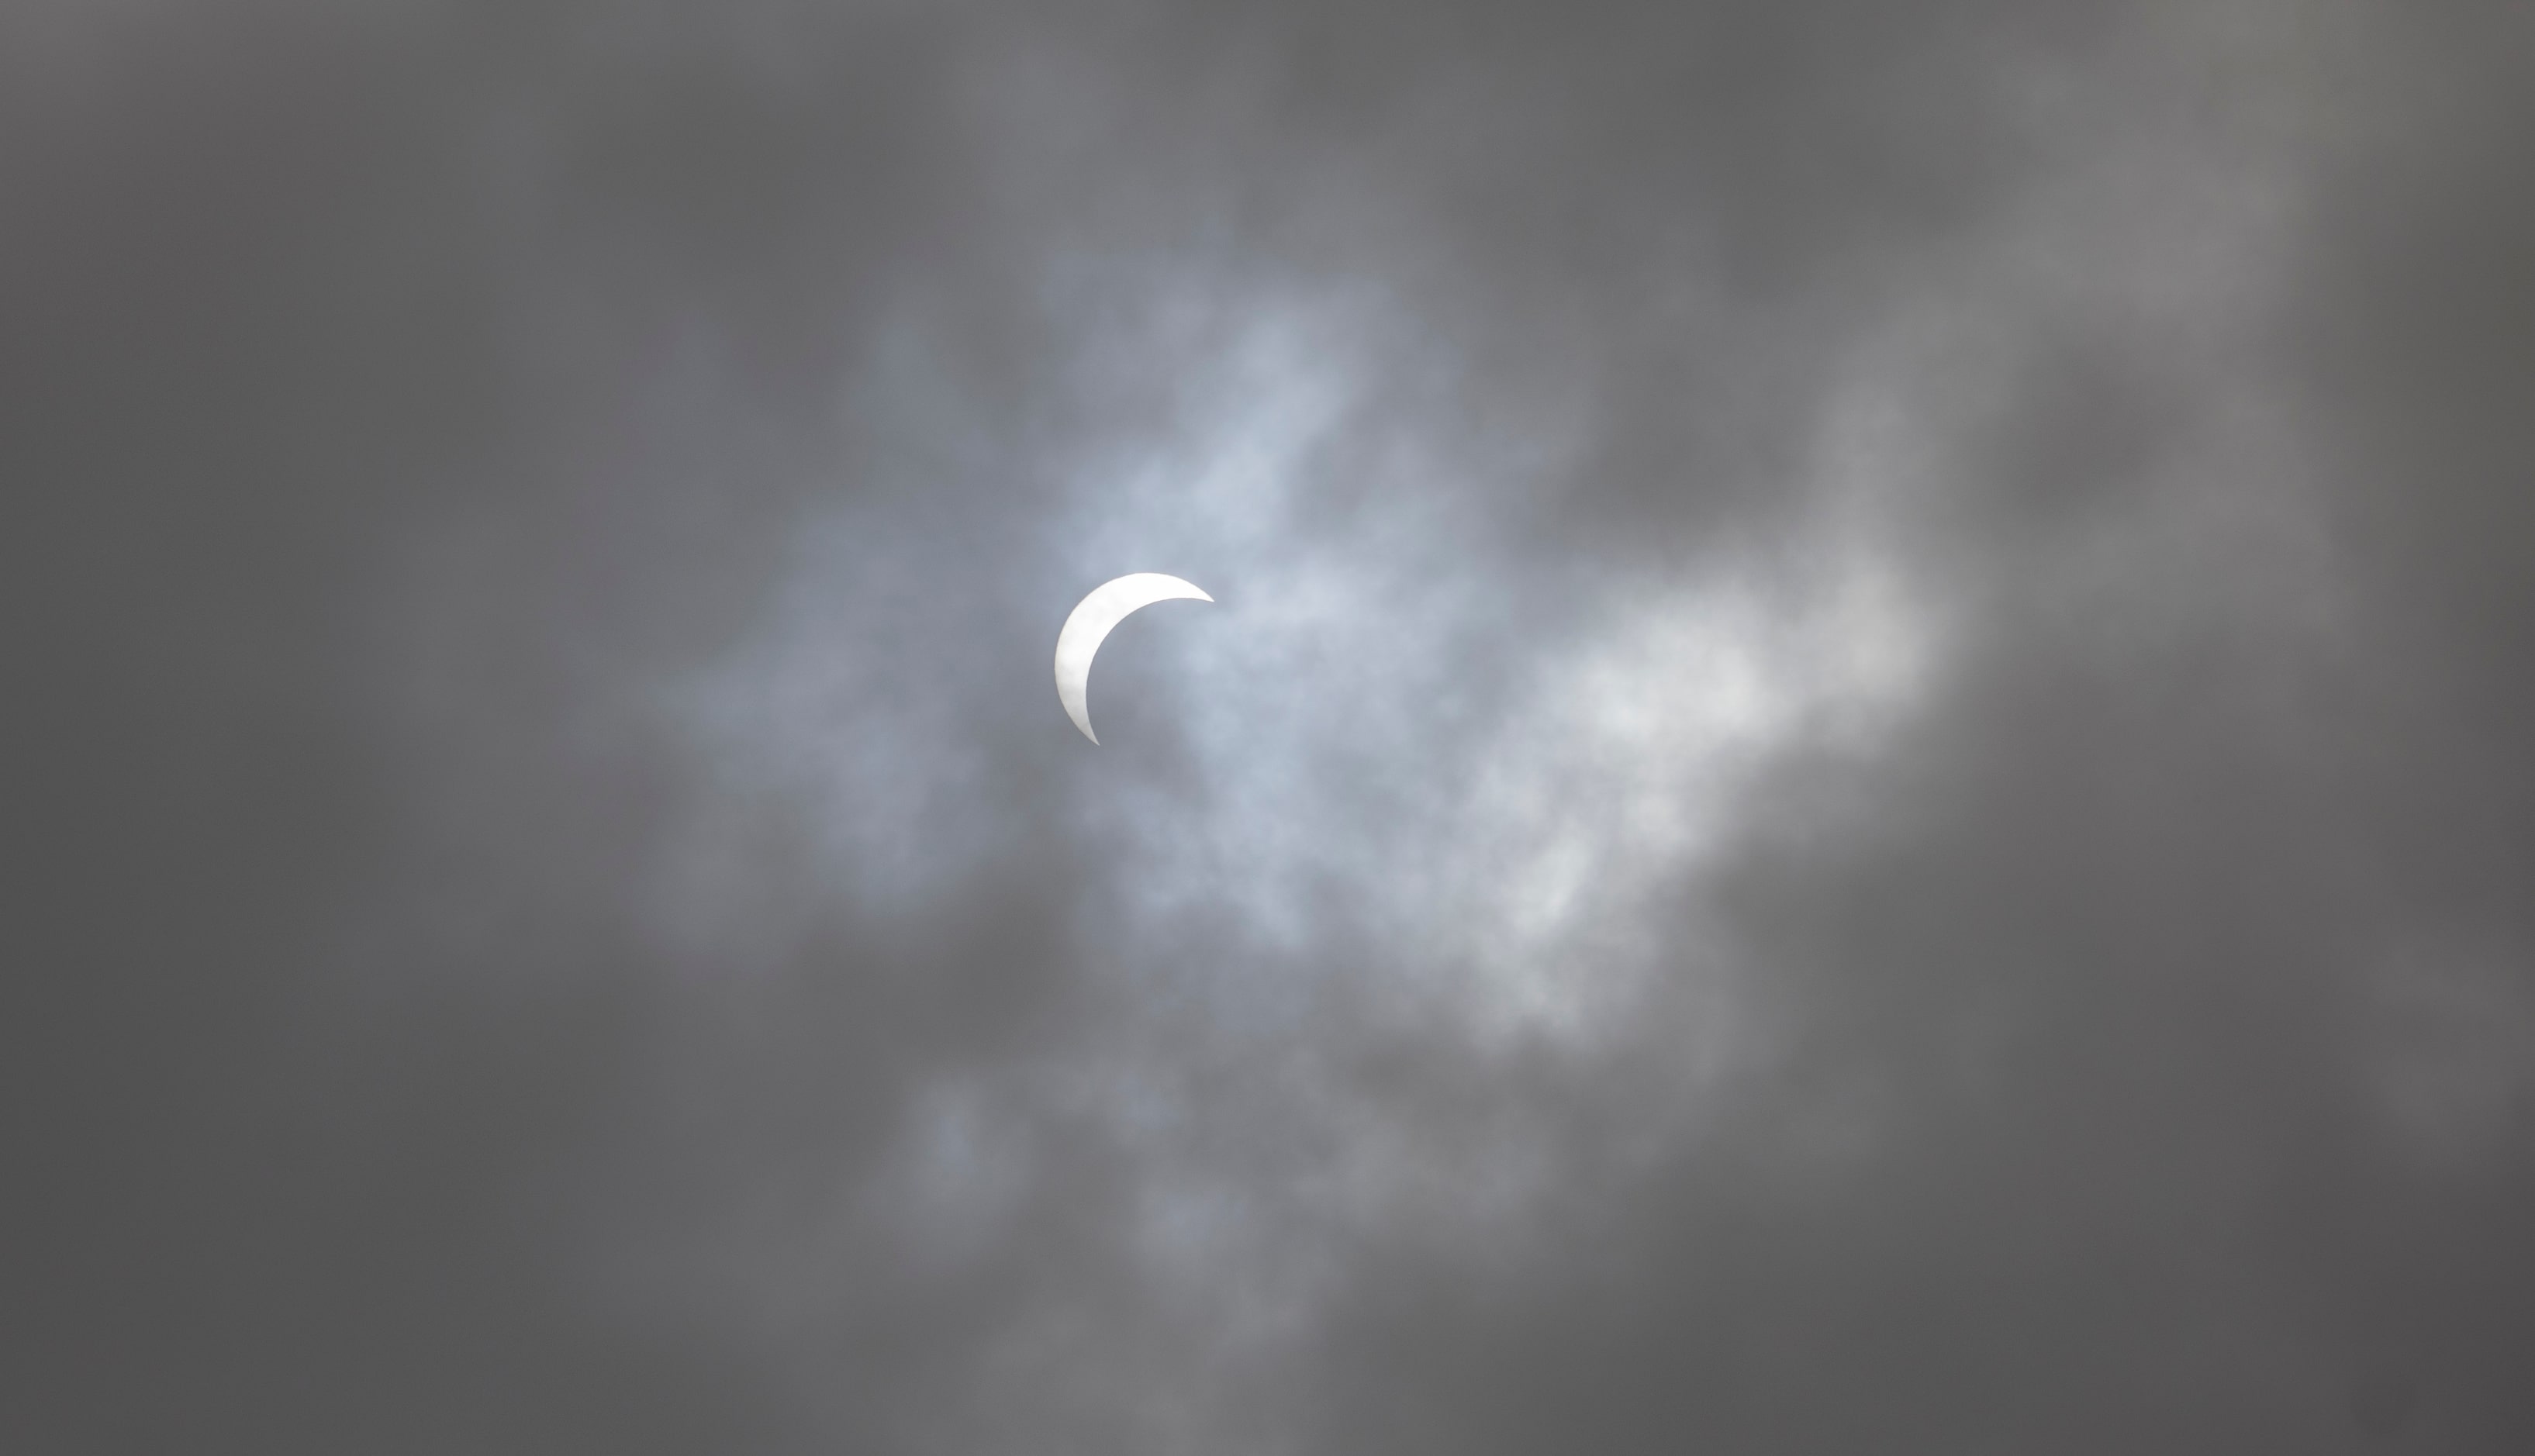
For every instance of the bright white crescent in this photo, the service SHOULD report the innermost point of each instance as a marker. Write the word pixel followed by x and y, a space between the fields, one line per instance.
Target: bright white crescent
pixel 1106 607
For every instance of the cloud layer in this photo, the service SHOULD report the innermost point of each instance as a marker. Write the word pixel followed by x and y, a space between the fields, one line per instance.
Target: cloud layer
pixel 1855 784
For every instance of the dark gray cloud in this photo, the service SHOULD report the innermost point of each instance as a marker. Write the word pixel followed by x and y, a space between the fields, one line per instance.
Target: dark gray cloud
pixel 1857 781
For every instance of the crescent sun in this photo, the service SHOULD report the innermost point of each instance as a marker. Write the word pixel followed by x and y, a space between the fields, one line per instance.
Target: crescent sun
pixel 1092 616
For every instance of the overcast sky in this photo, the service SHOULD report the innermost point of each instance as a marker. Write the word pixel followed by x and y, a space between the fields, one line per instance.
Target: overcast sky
pixel 1860 779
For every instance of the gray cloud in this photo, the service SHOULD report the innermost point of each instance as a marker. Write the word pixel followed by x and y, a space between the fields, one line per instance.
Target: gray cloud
pixel 1853 786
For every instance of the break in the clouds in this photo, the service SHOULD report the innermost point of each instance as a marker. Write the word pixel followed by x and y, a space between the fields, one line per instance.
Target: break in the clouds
pixel 1855 782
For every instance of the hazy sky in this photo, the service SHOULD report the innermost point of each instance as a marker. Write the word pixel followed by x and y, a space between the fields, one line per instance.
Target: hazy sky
pixel 1860 781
